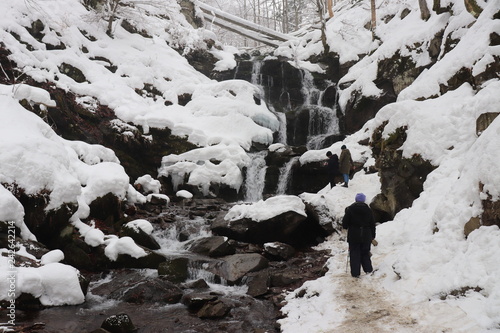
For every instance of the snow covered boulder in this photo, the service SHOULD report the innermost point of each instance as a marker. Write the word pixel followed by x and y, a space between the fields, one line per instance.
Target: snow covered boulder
pixel 140 231
pixel 281 218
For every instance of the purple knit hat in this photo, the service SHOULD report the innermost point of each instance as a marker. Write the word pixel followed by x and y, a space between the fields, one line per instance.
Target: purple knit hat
pixel 360 197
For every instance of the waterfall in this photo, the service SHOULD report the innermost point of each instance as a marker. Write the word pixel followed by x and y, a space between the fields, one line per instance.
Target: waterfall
pixel 282 129
pixel 285 176
pixel 257 79
pixel 323 121
pixel 255 177
pixel 256 73
pixel 309 91
pixel 236 70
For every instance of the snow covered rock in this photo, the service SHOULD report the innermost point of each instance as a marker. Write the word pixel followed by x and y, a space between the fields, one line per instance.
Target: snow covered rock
pixel 140 235
pixel 280 218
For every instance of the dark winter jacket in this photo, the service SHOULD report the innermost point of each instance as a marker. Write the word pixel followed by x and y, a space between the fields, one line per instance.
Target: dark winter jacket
pixel 333 165
pixel 345 161
pixel 359 222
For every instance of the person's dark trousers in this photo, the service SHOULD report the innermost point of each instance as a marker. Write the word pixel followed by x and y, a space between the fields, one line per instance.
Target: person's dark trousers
pixel 360 257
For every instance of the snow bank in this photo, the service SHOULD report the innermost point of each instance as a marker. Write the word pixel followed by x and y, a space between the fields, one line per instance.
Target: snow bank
pixel 53 284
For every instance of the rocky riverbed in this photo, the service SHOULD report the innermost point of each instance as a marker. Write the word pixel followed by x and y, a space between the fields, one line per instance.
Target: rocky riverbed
pixel 239 287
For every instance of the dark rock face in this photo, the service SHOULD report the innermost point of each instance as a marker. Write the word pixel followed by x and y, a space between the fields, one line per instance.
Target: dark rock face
pixel 138 154
pixel 289 227
pixel 402 179
pixel 174 269
pixel 491 210
pixel 47 226
pixel 484 120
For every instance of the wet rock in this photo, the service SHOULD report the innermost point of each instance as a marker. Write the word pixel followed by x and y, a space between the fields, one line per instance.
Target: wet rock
pixel 174 269
pixel 195 301
pixel 152 291
pixel 198 284
pixel 238 265
pixel 214 309
pixel 140 237
pixel 215 246
pixel 279 251
pixel 120 323
pixel 258 284
pixel 137 287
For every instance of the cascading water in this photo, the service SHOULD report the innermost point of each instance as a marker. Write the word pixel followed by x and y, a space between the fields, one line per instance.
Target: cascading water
pixel 323 121
pixel 282 129
pixel 286 175
pixel 255 177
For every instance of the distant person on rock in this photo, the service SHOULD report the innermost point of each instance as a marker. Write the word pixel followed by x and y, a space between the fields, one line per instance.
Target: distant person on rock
pixel 333 167
pixel 345 164
pixel 360 225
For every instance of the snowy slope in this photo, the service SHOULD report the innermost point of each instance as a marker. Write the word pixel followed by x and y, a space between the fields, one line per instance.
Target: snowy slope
pixel 423 260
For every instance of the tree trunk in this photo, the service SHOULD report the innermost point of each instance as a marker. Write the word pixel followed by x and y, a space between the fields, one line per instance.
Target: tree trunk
pixel 326 47
pixel 113 7
pixel 330 10
pixel 374 18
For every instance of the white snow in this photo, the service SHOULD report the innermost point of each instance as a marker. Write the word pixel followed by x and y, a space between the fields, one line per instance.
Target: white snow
pixel 184 194
pixel 124 245
pixel 149 184
pixel 263 210
pixel 141 224
pixel 52 257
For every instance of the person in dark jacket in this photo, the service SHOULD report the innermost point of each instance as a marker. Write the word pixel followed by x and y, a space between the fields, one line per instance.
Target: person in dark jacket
pixel 360 225
pixel 333 167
